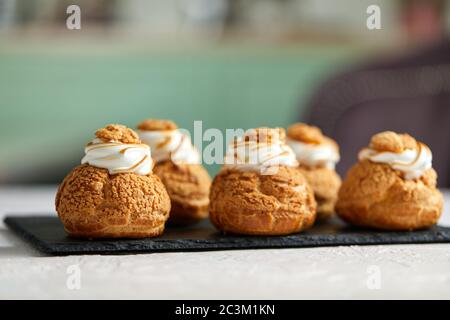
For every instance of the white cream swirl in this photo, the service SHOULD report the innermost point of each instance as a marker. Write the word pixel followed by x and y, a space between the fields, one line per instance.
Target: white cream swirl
pixel 315 155
pixel 118 157
pixel 412 162
pixel 248 154
pixel 170 145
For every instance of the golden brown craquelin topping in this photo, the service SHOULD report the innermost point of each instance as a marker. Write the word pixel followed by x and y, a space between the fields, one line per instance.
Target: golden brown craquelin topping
pixel 392 142
pixel 119 133
pixel 371 192
pixel 266 135
pixel 90 201
pixel 157 125
pixel 408 141
pixel 262 204
pixel 305 133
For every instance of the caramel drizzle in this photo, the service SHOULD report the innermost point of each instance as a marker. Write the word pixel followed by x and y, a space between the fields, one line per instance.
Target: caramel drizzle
pixel 419 152
pixel 178 147
pixel 167 141
pixel 407 164
pixel 253 147
pixel 164 143
pixel 126 149
pixel 252 143
pixel 284 153
pixel 95 146
pixel 133 166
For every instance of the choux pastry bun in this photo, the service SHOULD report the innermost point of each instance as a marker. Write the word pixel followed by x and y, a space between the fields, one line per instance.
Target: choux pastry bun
pixel 177 164
pixel 392 186
pixel 259 190
pixel 113 193
pixel 317 156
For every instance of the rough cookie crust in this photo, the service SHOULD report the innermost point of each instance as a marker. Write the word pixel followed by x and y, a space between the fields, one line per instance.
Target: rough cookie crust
pixel 119 133
pixel 92 203
pixel 157 125
pixel 375 195
pixel 392 142
pixel 265 135
pixel 305 133
pixel 250 203
pixel 325 183
pixel 309 134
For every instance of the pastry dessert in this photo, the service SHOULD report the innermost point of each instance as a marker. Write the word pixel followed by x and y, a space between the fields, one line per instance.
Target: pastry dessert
pixel 259 190
pixel 113 193
pixel 177 163
pixel 392 187
pixel 317 156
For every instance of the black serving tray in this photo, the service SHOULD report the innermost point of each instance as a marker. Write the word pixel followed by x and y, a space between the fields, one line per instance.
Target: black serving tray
pixel 47 234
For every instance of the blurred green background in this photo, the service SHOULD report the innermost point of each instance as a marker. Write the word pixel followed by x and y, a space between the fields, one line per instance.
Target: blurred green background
pixel 52 104
pixel 231 64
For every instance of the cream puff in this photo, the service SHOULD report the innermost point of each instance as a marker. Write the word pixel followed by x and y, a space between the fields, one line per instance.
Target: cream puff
pixel 392 186
pixel 113 193
pixel 177 163
pixel 259 190
pixel 317 156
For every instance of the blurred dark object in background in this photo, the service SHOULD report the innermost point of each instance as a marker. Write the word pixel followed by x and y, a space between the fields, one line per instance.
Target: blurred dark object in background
pixel 423 20
pixel 407 94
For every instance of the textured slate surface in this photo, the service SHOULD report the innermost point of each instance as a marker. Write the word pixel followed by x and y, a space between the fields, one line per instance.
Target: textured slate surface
pixel 48 236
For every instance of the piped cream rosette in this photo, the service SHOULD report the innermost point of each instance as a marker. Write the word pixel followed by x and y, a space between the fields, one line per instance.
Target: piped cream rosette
pixel 118 157
pixel 173 145
pixel 411 162
pixel 260 150
pixel 315 155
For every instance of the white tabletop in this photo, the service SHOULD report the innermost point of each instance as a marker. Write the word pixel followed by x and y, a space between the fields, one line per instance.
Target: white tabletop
pixel 387 271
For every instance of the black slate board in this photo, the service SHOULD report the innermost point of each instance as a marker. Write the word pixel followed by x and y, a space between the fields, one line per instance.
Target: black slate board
pixel 48 236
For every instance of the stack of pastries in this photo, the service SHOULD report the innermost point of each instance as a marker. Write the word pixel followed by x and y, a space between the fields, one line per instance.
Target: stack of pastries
pixel 131 183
